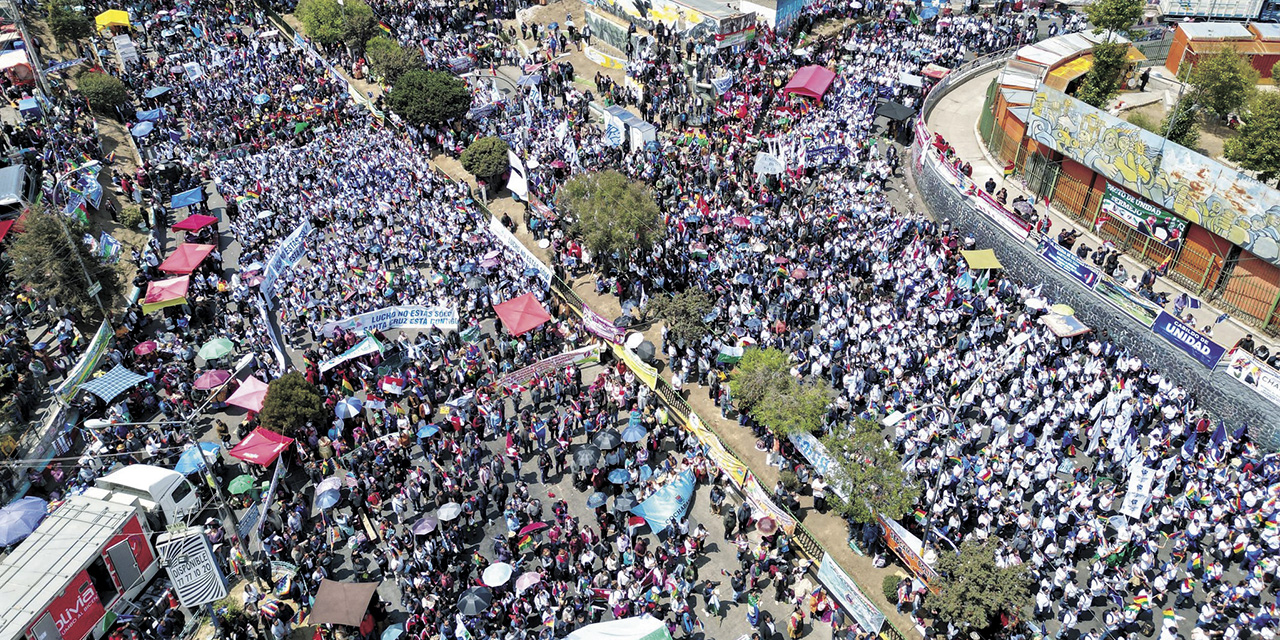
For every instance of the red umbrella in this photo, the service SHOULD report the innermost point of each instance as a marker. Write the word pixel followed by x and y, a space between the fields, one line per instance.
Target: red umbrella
pixel 767 526
pixel 532 527
pixel 144 348
pixel 739 221
pixel 799 273
pixel 704 230
pixel 780 260
pixel 212 379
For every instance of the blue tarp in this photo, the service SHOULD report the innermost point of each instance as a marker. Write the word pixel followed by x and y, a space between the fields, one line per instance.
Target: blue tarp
pixel 187 198
pixel 668 503
pixel 155 92
pixel 152 115
pixel 192 461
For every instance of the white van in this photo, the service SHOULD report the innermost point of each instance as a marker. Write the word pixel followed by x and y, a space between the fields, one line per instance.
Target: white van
pixel 164 494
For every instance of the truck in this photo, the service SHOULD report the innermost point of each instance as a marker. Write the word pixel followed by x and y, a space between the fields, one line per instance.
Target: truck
pixel 82 567
pixel 1211 9
pixel 164 495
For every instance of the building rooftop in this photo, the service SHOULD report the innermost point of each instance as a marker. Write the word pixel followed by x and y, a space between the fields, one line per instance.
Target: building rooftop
pixel 1215 30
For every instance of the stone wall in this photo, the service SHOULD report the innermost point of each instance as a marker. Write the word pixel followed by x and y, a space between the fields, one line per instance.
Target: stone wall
pixel 1223 396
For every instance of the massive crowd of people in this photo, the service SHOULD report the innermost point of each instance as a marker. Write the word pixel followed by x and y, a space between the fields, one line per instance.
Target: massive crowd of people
pixel 1029 441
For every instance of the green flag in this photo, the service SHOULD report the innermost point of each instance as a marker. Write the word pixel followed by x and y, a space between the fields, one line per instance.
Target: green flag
pixel 984 282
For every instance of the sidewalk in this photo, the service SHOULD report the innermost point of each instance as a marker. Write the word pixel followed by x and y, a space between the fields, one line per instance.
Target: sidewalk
pixel 956 118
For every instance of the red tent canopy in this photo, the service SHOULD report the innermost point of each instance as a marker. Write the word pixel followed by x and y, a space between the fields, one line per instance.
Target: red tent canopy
pixel 811 81
pixel 523 314
pixel 261 447
pixel 4 228
pixel 186 258
pixel 194 223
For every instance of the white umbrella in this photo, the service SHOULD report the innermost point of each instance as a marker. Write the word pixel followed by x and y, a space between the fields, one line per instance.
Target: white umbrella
pixel 527 580
pixel 497 574
pixel 449 511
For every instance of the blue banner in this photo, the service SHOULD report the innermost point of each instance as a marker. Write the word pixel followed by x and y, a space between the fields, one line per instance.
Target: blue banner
pixel 59 66
pixel 826 155
pixel 187 198
pixel 1062 258
pixel 671 502
pixel 1185 337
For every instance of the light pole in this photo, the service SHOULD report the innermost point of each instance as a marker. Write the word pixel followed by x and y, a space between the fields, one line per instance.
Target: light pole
pixel 892 420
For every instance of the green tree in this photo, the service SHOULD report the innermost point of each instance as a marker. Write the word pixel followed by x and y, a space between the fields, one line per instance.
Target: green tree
pixel 67 24
pixel 869 470
pixel 321 20
pixel 104 92
pixel 683 313
pixel 48 257
pixel 1223 82
pixel 1256 146
pixel 1114 16
pixel 1182 124
pixel 760 372
pixel 291 403
pixel 1275 71
pixel 389 60
pixel 358 24
pixel 1102 83
pixel 611 212
pixel 486 157
pixel 429 97
pixel 973 591
pixel 798 408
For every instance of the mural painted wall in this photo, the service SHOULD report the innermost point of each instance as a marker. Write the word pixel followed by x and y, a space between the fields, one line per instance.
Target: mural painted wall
pixel 647 13
pixel 1230 204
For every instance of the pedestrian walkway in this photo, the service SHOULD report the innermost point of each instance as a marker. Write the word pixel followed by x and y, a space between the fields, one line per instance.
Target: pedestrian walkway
pixel 955 117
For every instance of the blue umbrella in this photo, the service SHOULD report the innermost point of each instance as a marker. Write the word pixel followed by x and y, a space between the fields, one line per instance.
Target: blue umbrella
pixel 753 323
pixel 156 92
pixel 757 219
pixel 393 632
pixel 348 408
pixel 261 99
pixel 744 278
pixel 326 499
pixel 634 433
pixel 143 128
pixel 20 518
pixel 192 461
pixel 428 430
pixel 619 476
pixel 467 268
pixel 596 499
pixel 645 472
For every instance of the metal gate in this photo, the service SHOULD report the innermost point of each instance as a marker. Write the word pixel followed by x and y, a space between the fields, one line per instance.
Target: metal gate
pixel 1041 174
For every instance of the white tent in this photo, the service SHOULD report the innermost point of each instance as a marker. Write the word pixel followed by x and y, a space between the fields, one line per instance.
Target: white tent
pixel 643 628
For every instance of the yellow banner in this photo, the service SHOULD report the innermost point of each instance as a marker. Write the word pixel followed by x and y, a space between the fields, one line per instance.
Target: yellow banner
pixel 765 507
pixel 736 470
pixel 646 373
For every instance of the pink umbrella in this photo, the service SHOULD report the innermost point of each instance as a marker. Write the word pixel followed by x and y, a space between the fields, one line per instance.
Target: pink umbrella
pixel 799 273
pixel 212 379
pixel 250 395
pixel 489 262
pixel 532 527
pixel 780 260
pixel 527 580
pixel 144 348
pixel 739 221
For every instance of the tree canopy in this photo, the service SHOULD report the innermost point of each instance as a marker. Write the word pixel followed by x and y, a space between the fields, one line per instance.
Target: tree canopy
pixel 486 158
pixel 321 20
pixel 1182 125
pixel 683 313
pixel 870 470
pixel 291 403
pixel 973 591
pixel 46 260
pixel 759 373
pixel 104 92
pixel 1223 82
pixel 1102 83
pixel 1114 16
pixel 797 408
pixel 359 24
pixel 389 60
pixel 67 24
pixel 1256 146
pixel 429 97
pixel 611 212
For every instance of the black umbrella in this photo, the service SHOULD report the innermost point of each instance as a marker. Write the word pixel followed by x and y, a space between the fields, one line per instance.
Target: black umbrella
pixel 475 601
pixel 472 283
pixel 625 502
pixel 624 321
pixel 646 351
pixel 607 439
pixel 894 111
pixel 586 456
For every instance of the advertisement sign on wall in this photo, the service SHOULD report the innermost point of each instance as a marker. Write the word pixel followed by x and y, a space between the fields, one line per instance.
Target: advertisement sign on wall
pixel 1185 337
pixel 77 610
pixel 1144 216
pixel 1255 374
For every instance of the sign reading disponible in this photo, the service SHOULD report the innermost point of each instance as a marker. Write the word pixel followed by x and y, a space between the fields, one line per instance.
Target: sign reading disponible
pixel 399 317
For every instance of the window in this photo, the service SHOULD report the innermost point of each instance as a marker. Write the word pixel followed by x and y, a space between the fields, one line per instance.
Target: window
pixel 102 581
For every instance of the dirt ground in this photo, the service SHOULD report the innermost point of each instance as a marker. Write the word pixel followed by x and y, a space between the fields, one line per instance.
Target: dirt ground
pixel 1212 135
pixel 584 69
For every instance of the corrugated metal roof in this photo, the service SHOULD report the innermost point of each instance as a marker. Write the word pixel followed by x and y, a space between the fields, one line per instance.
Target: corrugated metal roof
pixel 1018 79
pixel 1021 113
pixel 1215 30
pixel 68 540
pixel 1017 96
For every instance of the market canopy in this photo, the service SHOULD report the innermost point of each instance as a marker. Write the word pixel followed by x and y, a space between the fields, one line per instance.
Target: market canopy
pixel 4 228
pixel 186 258
pixel 165 293
pixel 521 315
pixel 194 223
pixel 112 18
pixel 262 447
pixel 894 111
pixel 113 383
pixel 981 259
pixel 251 394
pixel 341 602
pixel 811 81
